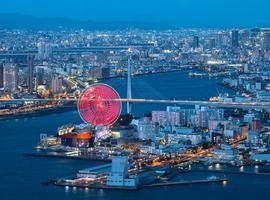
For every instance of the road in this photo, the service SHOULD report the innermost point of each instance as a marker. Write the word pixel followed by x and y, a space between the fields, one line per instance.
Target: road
pixel 249 105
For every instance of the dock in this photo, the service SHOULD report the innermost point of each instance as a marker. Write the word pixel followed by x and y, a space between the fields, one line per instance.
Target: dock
pixel 95 186
pixel 218 180
pixel 230 172
pixel 101 186
pixel 48 155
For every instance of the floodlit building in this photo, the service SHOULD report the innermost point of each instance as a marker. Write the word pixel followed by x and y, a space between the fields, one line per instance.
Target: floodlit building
pixel 164 118
pixel 10 77
pixel 184 135
pixel 57 84
pixel 44 50
pixel 119 176
pixel 253 137
pixel 147 130
pixel 200 116
pixel 225 153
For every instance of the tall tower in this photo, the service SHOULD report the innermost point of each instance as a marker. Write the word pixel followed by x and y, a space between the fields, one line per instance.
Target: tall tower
pixel 10 77
pixel 212 43
pixel 129 94
pixel 1 75
pixel 30 73
pixel 56 85
pixel 235 38
pixel 266 41
pixel 196 42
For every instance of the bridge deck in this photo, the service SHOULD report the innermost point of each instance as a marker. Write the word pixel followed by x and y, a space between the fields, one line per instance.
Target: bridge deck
pixel 249 105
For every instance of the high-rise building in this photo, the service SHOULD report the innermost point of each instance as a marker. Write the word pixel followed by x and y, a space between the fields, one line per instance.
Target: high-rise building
pixel 266 41
pixel 164 118
pixel 57 84
pixel 44 50
pixel 10 77
pixel 183 135
pixel 244 36
pixel 196 42
pixel 147 130
pixel 235 38
pixel 30 73
pixel 1 75
pixel 48 51
pixel 220 39
pixel 223 40
pixel 40 75
pixel 41 50
pixel 212 43
pixel 210 114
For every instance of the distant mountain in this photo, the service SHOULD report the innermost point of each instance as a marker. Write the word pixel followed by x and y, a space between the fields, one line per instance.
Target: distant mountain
pixel 14 21
pixel 19 21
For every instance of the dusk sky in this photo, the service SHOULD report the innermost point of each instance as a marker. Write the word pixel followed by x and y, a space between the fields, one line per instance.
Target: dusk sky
pixel 208 12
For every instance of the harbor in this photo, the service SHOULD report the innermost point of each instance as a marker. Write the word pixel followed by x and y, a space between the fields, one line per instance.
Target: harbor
pixel 204 181
pixel 46 169
pixel 102 177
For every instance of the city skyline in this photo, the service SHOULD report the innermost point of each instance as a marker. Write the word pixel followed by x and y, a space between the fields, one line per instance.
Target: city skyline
pixel 168 99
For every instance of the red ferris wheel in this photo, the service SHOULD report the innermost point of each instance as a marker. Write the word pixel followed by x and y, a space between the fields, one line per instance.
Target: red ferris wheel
pixel 99 105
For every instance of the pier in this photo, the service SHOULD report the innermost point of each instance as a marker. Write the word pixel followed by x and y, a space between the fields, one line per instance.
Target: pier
pixel 218 180
pixel 177 183
pixel 230 172
pixel 48 155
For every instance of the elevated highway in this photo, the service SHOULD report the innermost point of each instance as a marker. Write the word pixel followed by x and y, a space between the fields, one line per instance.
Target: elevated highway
pixel 248 105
